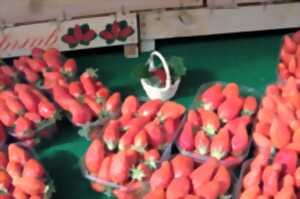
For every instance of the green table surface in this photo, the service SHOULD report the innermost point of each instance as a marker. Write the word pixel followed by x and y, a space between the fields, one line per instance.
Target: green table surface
pixel 248 59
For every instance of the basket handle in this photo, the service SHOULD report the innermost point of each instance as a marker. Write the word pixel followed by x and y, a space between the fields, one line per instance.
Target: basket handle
pixel 165 66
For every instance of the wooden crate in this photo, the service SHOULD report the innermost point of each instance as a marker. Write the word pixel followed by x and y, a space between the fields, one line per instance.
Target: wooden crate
pixel 205 21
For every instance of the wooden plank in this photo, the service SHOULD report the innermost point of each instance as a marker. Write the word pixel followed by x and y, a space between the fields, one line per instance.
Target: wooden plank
pixel 42 10
pixel 131 50
pixel 19 40
pixel 205 21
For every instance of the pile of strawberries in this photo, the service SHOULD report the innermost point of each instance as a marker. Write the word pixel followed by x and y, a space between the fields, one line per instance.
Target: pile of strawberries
pixel 46 68
pixel 218 127
pixel 127 149
pixel 87 99
pixel 181 177
pixel 22 176
pixel 8 76
pixel 275 177
pixel 25 113
pixel 290 57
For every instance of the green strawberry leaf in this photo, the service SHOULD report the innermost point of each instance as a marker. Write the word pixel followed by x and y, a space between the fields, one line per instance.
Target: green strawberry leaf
pixel 70 31
pixel 108 27
pixel 73 45
pixel 84 43
pixel 122 39
pixel 110 41
pixel 84 28
pixel 123 24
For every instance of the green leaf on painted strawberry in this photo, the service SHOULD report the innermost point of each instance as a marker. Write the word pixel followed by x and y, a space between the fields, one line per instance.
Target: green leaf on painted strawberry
pixel 85 43
pixel 70 31
pixel 109 41
pixel 85 28
pixel 108 27
pixel 73 45
pixel 122 39
pixel 123 24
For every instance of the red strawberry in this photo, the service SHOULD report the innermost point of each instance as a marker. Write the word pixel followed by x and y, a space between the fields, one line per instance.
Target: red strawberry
pixel 13 103
pixel 37 65
pixel 280 134
pixel 76 89
pixel 231 90
pixel 37 53
pixel 296 37
pixel 93 105
pixel 94 156
pixel 202 143
pixel 23 127
pixel 113 102
pixel 30 185
pixel 70 66
pixel 194 118
pixel 210 121
pixel 53 59
pixel 149 108
pixel 30 75
pixel 88 82
pixel 5 181
pixel 19 194
pixel 155 135
pixel 230 108
pixel 158 193
pixel 141 141
pixel 17 153
pixel 29 100
pixel 130 106
pixel 288 159
pixel 3 135
pixel 132 157
pixel 14 169
pixel 212 97
pixel 239 121
pixel 141 172
pixel 33 168
pixel 162 177
pixel 239 141
pixel 103 172
pixel 127 139
pixel 220 144
pixel 250 105
pixel 272 89
pixel 102 94
pixel 210 190
pixel 7 117
pixel 3 160
pixel 270 179
pixel 289 45
pixel 203 174
pixel 179 188
pixel 81 114
pixel 46 109
pixel 34 117
pixel 119 169
pixel 151 158
pixel 182 166
pixel 170 109
pixel 169 128
pixel 224 178
pixel 186 138
pixel 136 123
pixel 111 134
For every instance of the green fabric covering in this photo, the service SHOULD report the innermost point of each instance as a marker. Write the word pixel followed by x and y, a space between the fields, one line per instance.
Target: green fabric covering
pixel 248 59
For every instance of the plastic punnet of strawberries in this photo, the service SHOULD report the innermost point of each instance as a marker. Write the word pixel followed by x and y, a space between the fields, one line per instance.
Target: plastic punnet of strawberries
pixel 22 176
pixel 128 149
pixel 27 114
pixel 289 65
pixel 218 124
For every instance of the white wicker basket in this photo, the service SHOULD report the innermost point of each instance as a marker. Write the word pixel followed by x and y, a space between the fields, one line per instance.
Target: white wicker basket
pixel 166 92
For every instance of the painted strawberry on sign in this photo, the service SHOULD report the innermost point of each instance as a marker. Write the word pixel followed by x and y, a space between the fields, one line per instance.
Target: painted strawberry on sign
pixel 80 34
pixel 116 31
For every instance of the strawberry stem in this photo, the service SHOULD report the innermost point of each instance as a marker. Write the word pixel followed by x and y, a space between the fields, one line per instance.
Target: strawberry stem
pixel 137 174
pixel 210 130
pixel 151 163
pixel 217 154
pixel 202 150
pixel 247 112
pixel 111 145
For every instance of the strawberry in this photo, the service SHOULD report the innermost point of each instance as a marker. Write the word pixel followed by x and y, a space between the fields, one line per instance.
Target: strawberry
pixel 158 193
pixel 23 127
pixel 170 127
pixel 7 117
pixel 103 172
pixel 186 138
pixel 220 144
pixel 132 157
pixel 252 178
pixel 88 82
pixel 151 158
pixel 231 90
pixel 97 187
pixel 182 166
pixel 233 125
pixel 111 134
pixel 70 67
pixel 127 139
pixel 270 179
pixel 94 156
pixel 3 135
pixel 202 143
pixel 250 105
pixel 36 197
pixel 14 169
pixel 261 159
pixel 30 185
pixel 210 121
pixel 210 190
pixel 230 108
pixel 123 194
pixel 75 89
pixel 296 37
pixel 17 153
pixel 33 168
pixel 119 169
pixel 262 141
pixel 289 45
pixel 224 178
pixel 191 196
pixel 178 188
pixel 193 118
pixel 239 141
pixel 212 97
pixel 37 53
pixel 203 174
pixel 53 59
pixel 3 160
pixel 5 181
pixel 33 117
pixel 93 105
pixel 280 134
pixel 113 102
pixel 27 98
pixel 141 172
pixel 30 75
pixel 136 123
pixel 130 106
pixel 250 193
pixel 47 109
pixel 19 194
pixel 287 158
pixel 162 177
pixel 81 114
pixel 150 108
pixel 102 94
pixel 141 141
pixel 262 128
pixel 155 135
pixel 13 103
pixel 170 109
pixel 272 89
pixel 37 65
